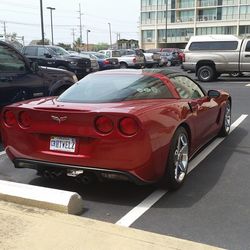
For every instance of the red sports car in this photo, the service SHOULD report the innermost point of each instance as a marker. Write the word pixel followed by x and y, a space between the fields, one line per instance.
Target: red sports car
pixel 140 125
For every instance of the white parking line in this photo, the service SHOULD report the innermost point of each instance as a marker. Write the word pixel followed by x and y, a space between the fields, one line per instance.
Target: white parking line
pixel 2 153
pixel 128 219
pixel 248 85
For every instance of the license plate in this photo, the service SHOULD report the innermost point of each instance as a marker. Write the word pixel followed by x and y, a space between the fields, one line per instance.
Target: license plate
pixel 65 144
pixel 114 62
pixel 87 70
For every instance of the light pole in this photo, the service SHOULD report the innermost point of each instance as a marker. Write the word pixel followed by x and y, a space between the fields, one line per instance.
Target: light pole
pixel 87 39
pixel 51 23
pixel 110 38
pixel 41 13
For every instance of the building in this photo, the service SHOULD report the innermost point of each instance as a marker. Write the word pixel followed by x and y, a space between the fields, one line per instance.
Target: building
pixel 190 17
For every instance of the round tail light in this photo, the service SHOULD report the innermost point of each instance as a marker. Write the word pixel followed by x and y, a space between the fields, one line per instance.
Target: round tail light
pixel 9 118
pixel 24 119
pixel 128 126
pixel 104 124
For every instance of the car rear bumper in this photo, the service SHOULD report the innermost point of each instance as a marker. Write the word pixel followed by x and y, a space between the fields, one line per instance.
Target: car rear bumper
pixel 41 166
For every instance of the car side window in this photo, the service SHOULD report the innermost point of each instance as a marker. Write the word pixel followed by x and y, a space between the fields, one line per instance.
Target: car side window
pixel 186 88
pixel 30 51
pixel 41 51
pixel 248 46
pixel 108 53
pixel 10 61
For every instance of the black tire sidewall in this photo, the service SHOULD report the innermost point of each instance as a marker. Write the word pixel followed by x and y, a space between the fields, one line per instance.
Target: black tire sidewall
pixel 211 71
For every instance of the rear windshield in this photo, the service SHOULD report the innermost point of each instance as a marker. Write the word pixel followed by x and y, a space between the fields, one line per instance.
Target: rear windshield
pixel 115 88
pixel 221 45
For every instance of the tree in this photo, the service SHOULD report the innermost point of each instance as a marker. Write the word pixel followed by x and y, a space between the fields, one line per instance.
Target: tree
pixel 77 44
pixel 65 46
pixel 100 46
pixel 46 42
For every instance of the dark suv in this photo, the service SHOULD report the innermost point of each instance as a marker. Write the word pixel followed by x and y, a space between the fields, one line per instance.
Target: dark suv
pixel 57 57
pixel 20 79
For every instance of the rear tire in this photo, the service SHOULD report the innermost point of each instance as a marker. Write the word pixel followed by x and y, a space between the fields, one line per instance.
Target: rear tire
pixel 123 65
pixel 206 73
pixel 177 164
pixel 225 128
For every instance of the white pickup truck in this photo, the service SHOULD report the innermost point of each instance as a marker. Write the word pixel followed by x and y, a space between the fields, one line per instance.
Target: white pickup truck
pixel 126 61
pixel 211 55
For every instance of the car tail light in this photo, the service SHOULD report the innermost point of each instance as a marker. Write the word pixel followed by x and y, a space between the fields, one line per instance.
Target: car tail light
pixel 9 118
pixel 24 119
pixel 106 62
pixel 183 57
pixel 128 126
pixel 134 60
pixel 104 124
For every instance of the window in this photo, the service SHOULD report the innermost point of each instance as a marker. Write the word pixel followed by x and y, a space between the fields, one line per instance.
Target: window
pixel 30 51
pixel 220 45
pixel 10 61
pixel 186 88
pixel 248 46
pixel 41 51
pixel 115 88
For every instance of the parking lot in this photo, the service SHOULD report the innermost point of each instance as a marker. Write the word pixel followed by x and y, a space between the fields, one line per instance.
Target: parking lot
pixel 213 205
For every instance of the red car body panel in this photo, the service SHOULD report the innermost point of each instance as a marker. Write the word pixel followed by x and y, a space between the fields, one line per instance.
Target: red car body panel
pixel 143 155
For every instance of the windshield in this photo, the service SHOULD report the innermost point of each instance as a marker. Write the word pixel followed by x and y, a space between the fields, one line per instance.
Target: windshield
pixel 60 51
pixel 115 88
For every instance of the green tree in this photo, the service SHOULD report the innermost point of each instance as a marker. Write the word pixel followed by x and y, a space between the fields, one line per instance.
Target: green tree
pixel 100 46
pixel 46 42
pixel 65 46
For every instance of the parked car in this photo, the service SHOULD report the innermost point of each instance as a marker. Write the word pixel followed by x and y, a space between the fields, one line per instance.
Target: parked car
pixel 104 61
pixel 137 125
pixel 126 61
pixel 57 57
pixel 22 80
pixel 169 59
pixel 209 56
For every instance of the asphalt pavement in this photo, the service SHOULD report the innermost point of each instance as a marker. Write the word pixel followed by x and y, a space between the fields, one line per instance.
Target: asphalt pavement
pixel 212 207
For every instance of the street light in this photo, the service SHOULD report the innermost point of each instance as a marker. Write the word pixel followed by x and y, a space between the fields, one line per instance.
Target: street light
pixel 110 39
pixel 88 39
pixel 51 23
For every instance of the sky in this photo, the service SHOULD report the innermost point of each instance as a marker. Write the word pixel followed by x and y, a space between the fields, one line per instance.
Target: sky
pixel 23 17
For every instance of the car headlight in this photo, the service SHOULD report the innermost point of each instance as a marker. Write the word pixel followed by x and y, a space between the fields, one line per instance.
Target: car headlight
pixel 75 78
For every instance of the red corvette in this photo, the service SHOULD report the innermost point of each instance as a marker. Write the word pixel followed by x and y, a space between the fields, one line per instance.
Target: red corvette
pixel 140 125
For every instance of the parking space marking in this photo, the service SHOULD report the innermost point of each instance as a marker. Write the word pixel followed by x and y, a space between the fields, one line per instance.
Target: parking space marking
pixel 248 85
pixel 2 153
pixel 128 219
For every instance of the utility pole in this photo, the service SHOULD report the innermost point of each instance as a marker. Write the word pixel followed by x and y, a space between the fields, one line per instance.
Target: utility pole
pixel 51 23
pixel 73 33
pixel 80 17
pixel 4 30
pixel 166 32
pixel 42 27
pixel 87 40
pixel 110 38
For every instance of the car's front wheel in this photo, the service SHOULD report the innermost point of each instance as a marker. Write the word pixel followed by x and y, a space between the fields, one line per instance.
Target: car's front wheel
pixel 225 128
pixel 177 164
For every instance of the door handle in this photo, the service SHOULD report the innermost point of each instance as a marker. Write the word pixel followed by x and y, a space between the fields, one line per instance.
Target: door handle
pixel 247 55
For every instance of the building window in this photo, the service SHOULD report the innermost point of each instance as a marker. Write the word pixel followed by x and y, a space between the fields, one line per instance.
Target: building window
pixel 148 17
pixel 224 30
pixel 245 12
pixel 173 33
pixel 148 36
pixel 185 16
pixel 229 13
pixel 186 3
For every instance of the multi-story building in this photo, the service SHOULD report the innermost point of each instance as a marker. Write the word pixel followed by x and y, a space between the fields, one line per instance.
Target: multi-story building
pixel 190 17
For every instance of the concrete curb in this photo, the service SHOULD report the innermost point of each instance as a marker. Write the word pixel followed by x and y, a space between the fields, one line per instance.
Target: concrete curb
pixel 41 197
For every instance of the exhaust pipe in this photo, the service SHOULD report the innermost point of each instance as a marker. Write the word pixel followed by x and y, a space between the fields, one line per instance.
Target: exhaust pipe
pixel 85 178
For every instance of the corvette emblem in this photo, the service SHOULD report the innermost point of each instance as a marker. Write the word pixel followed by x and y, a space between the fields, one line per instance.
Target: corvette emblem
pixel 59 119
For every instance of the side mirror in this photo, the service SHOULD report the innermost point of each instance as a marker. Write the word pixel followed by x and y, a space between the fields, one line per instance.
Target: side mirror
pixel 213 93
pixel 47 55
pixel 34 66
